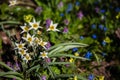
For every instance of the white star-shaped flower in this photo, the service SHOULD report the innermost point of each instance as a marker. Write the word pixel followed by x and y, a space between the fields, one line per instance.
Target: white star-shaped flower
pixel 12 2
pixel 22 52
pixel 29 38
pixel 35 25
pixel 52 27
pixel 19 45
pixel 25 28
pixel 44 54
pixel 27 57
pixel 41 43
pixel 37 41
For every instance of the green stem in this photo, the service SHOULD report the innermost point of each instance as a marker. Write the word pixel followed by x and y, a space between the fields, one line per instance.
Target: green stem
pixel 52 74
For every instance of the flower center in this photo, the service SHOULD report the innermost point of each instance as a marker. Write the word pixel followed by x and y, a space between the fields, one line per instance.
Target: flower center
pixel 35 25
pixel 44 55
pixel 22 52
pixel 52 27
pixel 20 46
pixel 29 39
pixel 27 57
pixel 26 28
pixel 36 41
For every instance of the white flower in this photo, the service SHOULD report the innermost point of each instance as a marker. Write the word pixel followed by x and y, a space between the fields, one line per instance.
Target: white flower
pixel 25 28
pixel 44 54
pixel 29 38
pixel 12 2
pixel 27 57
pixel 52 27
pixel 22 52
pixel 20 45
pixel 41 43
pixel 35 25
pixel 37 40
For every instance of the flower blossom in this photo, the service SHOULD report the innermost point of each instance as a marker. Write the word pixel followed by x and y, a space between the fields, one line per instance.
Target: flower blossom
pixel 20 45
pixel 27 58
pixel 12 2
pixel 35 25
pixel 44 54
pixel 25 28
pixel 52 27
pixel 29 38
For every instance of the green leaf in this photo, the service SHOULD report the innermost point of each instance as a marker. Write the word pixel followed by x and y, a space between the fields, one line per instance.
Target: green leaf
pixel 55 70
pixel 12 76
pixel 53 37
pixel 50 70
pixel 33 68
pixel 67 44
pixel 58 63
pixel 67 55
pixel 96 56
pixel 79 77
pixel 87 40
pixel 11 73
pixel 9 22
pixel 5 66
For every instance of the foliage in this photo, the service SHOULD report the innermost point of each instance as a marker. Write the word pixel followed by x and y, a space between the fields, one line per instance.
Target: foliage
pixel 79 23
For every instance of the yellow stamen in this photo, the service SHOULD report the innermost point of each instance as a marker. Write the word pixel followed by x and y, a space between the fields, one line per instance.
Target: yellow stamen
pixel 37 41
pixel 22 52
pixel 29 39
pixel 52 27
pixel 35 25
pixel 20 46
pixel 27 57
pixel 44 54
pixel 26 28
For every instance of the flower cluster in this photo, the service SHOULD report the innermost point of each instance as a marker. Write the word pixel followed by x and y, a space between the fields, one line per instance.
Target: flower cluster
pixel 32 38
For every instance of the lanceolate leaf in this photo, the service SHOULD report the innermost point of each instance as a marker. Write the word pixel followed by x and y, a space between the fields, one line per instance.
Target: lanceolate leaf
pixel 67 55
pixel 96 56
pixel 67 44
pixel 9 22
pixel 56 63
pixel 13 77
pixel 33 68
pixel 5 66
pixel 64 47
pixel 71 75
pixel 10 74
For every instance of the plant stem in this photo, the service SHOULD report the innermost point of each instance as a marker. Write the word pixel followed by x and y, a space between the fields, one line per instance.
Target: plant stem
pixel 52 74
